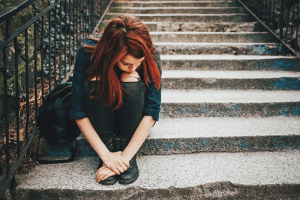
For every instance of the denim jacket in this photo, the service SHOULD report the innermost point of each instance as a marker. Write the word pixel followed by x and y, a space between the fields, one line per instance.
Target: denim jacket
pixel 82 63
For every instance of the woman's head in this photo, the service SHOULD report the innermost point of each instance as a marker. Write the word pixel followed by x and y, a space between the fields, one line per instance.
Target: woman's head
pixel 125 45
pixel 129 64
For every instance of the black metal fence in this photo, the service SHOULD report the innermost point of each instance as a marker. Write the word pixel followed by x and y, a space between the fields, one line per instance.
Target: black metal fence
pixel 280 17
pixel 36 57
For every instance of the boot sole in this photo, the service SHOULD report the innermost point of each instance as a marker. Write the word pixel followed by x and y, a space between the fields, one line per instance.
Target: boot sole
pixel 108 182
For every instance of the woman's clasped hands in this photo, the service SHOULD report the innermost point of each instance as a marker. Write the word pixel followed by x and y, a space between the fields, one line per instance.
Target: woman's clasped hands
pixel 113 163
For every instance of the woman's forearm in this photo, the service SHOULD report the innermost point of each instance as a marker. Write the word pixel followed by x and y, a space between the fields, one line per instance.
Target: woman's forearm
pixel 112 160
pixel 135 143
pixel 92 137
pixel 138 137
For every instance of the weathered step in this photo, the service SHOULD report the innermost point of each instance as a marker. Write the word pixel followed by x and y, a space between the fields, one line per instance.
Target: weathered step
pixel 229 62
pixel 243 37
pixel 182 48
pixel 199 26
pixel 205 134
pixel 232 103
pixel 177 4
pixel 259 175
pixel 230 80
pixel 181 10
pixel 187 17
pixel 226 134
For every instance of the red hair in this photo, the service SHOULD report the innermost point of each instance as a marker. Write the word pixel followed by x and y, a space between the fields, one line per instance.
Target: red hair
pixel 124 35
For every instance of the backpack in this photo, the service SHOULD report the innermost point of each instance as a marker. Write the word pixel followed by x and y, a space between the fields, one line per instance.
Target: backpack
pixel 54 123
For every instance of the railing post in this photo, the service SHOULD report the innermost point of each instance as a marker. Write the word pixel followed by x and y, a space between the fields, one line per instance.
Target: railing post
pixel 297 25
pixel 65 48
pixel 13 183
pixel 80 23
pixel 17 95
pixel 42 55
pixel 70 44
pixel 100 7
pixel 281 18
pixel 55 36
pixel 35 67
pixel 92 15
pixel 274 21
pixel 27 82
pixel 74 29
pixel 49 58
pixel 60 40
pixel 7 32
pixel 287 22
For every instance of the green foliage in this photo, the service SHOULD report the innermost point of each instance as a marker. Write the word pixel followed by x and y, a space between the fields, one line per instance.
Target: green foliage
pixel 102 25
pixel 19 20
pixel 109 17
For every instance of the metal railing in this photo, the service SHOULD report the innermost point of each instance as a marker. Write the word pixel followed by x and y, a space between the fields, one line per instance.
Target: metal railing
pixel 280 17
pixel 36 57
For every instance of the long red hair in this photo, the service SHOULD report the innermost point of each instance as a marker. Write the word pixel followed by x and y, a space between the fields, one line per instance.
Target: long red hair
pixel 124 35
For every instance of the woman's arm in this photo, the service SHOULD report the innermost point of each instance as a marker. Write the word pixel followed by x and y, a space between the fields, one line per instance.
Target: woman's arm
pixel 112 160
pixel 138 137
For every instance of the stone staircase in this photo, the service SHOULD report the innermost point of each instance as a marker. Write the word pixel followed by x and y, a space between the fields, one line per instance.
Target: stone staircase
pixel 229 126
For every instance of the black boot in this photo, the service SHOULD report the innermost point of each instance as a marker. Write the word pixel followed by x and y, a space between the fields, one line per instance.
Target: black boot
pixel 111 146
pixel 132 173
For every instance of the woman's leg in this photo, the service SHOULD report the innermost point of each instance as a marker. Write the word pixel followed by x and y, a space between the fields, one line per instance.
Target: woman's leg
pixel 130 115
pixel 131 112
pixel 102 119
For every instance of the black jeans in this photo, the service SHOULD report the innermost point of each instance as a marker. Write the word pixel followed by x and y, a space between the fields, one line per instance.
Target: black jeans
pixel 123 121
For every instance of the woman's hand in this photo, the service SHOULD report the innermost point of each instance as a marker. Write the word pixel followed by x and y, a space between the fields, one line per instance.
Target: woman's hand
pixel 115 162
pixel 103 173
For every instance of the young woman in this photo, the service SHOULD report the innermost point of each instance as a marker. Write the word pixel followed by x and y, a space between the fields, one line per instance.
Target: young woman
pixel 116 91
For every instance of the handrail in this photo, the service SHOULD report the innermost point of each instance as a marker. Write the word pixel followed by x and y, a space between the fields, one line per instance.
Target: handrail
pixel 26 25
pixel 12 10
pixel 266 21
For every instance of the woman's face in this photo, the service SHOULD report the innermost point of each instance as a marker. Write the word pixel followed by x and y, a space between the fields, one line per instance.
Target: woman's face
pixel 129 63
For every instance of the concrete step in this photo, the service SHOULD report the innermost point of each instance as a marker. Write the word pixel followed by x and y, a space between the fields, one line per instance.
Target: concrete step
pixel 259 175
pixel 239 17
pixel 232 103
pixel 197 48
pixel 199 26
pixel 213 37
pixel 187 17
pixel 177 10
pixel 176 4
pixel 230 80
pixel 229 62
pixel 229 96
pixel 205 134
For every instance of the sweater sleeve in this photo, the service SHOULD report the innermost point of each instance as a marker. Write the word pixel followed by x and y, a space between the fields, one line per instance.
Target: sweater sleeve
pixel 153 96
pixel 81 66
